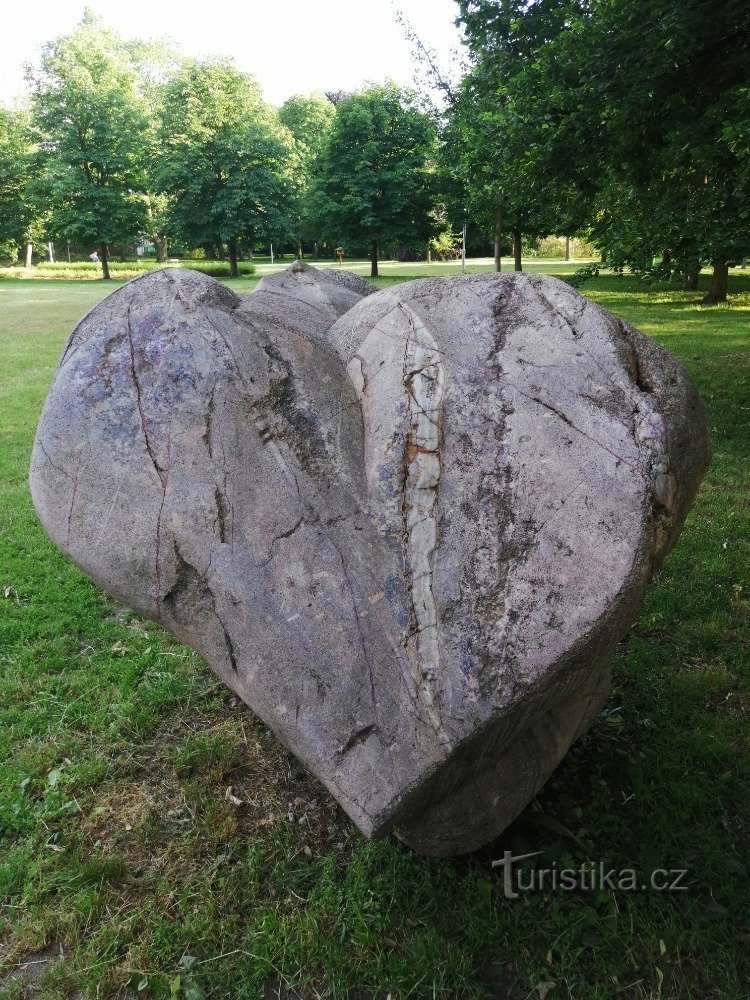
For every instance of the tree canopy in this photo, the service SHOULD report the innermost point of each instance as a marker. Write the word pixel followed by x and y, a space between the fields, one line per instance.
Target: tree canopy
pixel 626 116
pixel 309 119
pixel 376 172
pixel 90 119
pixel 225 160
pixel 17 211
pixel 500 141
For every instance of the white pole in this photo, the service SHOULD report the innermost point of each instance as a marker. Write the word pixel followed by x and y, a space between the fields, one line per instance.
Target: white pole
pixel 463 249
pixel 272 253
pixel 51 253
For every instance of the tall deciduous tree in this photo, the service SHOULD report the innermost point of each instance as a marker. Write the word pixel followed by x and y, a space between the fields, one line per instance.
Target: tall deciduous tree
pixel 519 163
pixel 309 119
pixel 634 110
pixel 91 122
pixel 376 174
pixel 226 162
pixel 16 159
pixel 156 63
pixel 674 97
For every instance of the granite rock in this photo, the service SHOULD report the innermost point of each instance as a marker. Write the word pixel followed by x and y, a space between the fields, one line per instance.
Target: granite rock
pixel 407 527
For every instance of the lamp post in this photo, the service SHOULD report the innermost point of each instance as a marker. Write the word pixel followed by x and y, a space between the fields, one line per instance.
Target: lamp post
pixel 463 246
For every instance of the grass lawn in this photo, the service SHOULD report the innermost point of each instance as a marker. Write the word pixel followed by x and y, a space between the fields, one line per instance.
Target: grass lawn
pixel 156 841
pixel 396 271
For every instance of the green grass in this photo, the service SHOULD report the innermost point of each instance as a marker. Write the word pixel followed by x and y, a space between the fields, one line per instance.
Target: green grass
pixel 128 868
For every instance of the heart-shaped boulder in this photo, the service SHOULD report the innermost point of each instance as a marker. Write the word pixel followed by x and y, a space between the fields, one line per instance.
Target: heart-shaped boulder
pixel 408 528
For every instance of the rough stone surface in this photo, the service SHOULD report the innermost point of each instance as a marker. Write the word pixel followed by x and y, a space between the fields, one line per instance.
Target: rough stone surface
pixel 408 528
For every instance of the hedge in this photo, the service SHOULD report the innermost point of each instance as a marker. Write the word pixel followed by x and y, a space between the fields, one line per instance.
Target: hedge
pixel 88 270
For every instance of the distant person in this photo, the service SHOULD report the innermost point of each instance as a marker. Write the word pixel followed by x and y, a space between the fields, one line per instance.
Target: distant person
pixel 94 257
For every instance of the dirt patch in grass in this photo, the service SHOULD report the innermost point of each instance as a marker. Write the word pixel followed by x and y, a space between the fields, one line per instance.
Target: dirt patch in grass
pixel 24 972
pixel 212 777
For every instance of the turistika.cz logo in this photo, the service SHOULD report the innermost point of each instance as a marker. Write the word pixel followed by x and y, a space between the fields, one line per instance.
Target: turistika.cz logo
pixel 589 875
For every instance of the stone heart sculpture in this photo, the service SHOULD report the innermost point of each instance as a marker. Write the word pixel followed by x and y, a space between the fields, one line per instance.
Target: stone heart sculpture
pixel 407 528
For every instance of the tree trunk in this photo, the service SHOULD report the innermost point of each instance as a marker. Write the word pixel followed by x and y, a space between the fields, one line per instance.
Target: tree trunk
pixel 29 251
pixel 374 259
pixel 690 280
pixel 300 252
pixel 233 259
pixel 666 259
pixel 567 248
pixel 719 281
pixel 160 247
pixel 499 235
pixel 104 260
pixel 517 250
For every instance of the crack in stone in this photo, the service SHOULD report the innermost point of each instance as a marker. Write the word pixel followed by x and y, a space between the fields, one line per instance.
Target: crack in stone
pixel 357 737
pixel 277 538
pixel 355 608
pixel 188 577
pixel 230 351
pixel 139 403
pixel 161 512
pixel 57 468
pixel 635 363
pixel 161 472
pixel 222 514
pixel 651 437
pixel 566 420
pixel 72 502
pixel 280 413
pixel 555 310
pixel 209 419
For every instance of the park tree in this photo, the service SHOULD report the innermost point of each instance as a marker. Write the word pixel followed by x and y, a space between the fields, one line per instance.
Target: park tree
pixel 17 212
pixel 375 182
pixel 510 144
pixel 675 97
pixel 91 121
pixel 226 162
pixel 156 62
pixel 309 120
pixel 630 113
